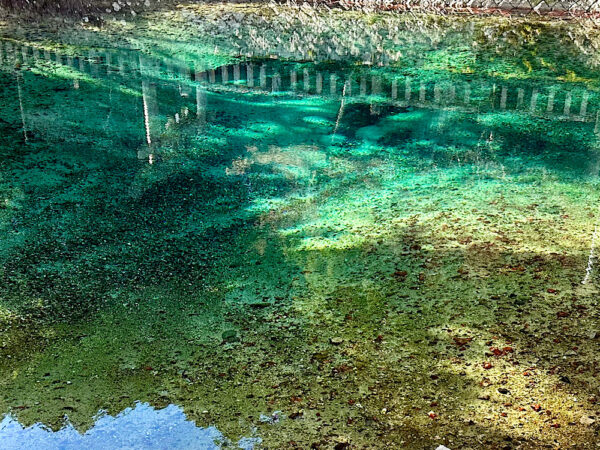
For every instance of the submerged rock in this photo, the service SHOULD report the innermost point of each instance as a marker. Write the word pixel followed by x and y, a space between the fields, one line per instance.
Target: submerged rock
pixel 271 419
pixel 230 336
pixel 336 340
pixel 585 420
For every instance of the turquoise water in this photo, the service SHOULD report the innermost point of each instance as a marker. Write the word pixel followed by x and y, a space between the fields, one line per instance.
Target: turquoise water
pixel 247 229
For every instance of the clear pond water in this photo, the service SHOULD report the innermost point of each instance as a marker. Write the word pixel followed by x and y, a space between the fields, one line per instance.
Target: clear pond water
pixel 283 228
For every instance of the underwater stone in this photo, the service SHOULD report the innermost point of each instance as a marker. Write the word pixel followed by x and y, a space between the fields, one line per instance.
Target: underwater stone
pixel 230 336
pixel 585 420
pixel 273 418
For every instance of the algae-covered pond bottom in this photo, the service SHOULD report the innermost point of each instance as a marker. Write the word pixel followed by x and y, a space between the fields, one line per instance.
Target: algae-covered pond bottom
pixel 234 227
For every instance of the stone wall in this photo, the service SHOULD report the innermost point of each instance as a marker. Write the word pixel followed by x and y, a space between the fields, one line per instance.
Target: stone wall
pixel 552 8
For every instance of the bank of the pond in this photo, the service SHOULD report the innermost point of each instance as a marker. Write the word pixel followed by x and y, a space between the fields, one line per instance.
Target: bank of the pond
pixel 100 10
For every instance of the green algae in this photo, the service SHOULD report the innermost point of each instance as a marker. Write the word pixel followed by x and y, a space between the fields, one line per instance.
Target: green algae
pixel 364 269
